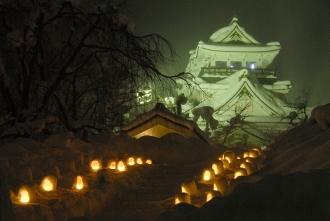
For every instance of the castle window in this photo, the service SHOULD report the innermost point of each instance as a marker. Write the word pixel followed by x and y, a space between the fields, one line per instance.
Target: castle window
pixel 235 64
pixel 251 65
pixel 221 64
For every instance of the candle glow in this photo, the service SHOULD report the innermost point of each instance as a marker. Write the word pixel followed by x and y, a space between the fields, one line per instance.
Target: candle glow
pixel 47 185
pixel 24 196
pixel 121 166
pixel 139 161
pixel 131 161
pixel 79 183
pixel 95 165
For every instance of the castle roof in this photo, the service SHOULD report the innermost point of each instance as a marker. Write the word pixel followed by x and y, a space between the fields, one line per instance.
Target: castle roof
pixel 232 33
pixel 160 121
pixel 242 83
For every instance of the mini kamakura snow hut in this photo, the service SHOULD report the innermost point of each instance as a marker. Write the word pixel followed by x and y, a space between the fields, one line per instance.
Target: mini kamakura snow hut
pixel 160 121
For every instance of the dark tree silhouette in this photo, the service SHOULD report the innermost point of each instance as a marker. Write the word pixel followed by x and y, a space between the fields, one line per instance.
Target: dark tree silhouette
pixel 77 65
pixel 299 105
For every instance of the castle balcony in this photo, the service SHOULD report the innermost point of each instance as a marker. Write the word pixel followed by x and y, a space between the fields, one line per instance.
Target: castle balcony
pixel 215 74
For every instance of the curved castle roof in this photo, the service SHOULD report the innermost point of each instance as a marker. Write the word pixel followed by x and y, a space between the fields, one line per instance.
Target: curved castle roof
pixel 233 32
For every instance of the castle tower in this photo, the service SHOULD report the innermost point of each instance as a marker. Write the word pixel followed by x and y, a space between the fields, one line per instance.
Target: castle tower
pixel 230 76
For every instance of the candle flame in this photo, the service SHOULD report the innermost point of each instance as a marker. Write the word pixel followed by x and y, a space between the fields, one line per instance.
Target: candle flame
pixel 112 165
pixel 95 165
pixel 25 198
pixel 207 175
pixel 121 166
pixel 139 161
pixel 131 161
pixel 79 183
pixel 47 185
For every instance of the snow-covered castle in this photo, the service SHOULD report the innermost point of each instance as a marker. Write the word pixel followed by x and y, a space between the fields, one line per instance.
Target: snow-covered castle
pixel 230 75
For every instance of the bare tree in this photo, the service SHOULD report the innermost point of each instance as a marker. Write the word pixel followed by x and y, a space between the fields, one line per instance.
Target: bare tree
pixel 236 122
pixel 299 106
pixel 80 63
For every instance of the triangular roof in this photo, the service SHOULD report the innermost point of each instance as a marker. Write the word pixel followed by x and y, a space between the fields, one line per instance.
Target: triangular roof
pixel 231 33
pixel 242 83
pixel 160 121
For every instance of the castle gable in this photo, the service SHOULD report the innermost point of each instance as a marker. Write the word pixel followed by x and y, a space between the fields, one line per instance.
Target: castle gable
pixel 232 34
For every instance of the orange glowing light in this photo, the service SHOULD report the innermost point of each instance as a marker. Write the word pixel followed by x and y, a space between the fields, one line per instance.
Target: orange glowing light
pixel 95 165
pixel 148 162
pixel 239 172
pixel 247 166
pixel 121 166
pixel 131 161
pixel 112 165
pixel 139 161
pixel 209 196
pixel 225 164
pixel 258 149
pixel 47 184
pixel 79 183
pixel 228 159
pixel 253 154
pixel 182 198
pixel 215 168
pixel 24 196
pixel 207 175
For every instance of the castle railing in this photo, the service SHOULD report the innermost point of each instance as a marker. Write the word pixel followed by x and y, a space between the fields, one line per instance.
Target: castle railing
pixel 224 72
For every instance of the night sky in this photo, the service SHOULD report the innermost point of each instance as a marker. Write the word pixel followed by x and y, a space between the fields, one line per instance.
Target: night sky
pixel 301 26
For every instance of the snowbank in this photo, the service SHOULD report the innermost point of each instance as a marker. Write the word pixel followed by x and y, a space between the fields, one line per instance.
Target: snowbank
pixel 293 185
pixel 64 156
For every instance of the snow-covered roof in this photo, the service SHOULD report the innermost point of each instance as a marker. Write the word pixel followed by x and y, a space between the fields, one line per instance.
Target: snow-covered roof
pixel 233 32
pixel 242 81
pixel 238 48
pixel 160 121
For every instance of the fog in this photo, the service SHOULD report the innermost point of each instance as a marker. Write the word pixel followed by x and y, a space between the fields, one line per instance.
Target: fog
pixel 300 26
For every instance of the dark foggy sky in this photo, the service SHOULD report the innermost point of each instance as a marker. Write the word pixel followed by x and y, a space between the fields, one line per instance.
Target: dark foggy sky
pixel 301 26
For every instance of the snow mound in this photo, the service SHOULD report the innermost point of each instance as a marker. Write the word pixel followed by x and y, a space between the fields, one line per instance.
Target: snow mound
pixel 271 198
pixel 321 116
pixel 303 148
pixel 175 149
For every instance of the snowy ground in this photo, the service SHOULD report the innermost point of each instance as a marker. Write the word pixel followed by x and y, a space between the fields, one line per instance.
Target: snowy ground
pixel 293 185
pixel 296 170
pixel 65 156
